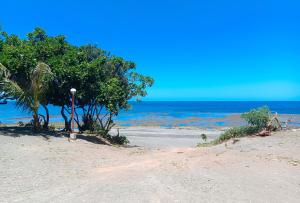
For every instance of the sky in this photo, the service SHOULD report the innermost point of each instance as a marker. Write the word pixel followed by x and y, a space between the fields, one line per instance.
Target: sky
pixel 211 50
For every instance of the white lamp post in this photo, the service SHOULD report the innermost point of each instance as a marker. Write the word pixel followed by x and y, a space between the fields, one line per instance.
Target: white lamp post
pixel 72 134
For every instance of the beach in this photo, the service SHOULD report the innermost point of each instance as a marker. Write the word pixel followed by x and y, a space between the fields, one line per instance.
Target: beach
pixel 40 168
pixel 149 101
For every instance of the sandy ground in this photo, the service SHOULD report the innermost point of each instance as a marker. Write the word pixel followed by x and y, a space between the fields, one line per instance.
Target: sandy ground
pixel 157 138
pixel 35 169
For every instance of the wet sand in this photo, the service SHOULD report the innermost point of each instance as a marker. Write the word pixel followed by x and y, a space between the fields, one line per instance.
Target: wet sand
pixel 259 169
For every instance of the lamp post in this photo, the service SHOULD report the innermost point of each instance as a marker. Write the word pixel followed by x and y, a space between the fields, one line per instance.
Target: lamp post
pixel 72 134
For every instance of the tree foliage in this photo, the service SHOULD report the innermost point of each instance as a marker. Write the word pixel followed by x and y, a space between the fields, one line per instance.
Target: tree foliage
pixel 29 96
pixel 259 117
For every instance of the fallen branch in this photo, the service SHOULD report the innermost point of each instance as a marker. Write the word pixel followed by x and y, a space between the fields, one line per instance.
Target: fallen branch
pixel 263 133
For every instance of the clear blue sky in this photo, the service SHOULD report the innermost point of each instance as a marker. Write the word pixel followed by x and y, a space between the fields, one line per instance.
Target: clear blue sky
pixel 195 50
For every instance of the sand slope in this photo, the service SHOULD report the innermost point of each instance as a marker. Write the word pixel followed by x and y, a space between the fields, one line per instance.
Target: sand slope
pixel 33 169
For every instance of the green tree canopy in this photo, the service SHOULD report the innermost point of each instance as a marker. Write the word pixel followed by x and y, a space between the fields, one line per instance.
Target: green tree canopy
pixel 104 83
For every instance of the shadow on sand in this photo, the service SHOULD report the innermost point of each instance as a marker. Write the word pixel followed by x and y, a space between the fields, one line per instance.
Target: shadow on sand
pixel 14 131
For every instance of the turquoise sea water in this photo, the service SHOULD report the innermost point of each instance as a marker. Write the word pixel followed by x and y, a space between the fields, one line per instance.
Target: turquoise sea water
pixel 169 114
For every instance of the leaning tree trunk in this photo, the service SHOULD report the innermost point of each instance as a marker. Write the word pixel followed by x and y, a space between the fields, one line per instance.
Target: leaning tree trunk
pixel 67 121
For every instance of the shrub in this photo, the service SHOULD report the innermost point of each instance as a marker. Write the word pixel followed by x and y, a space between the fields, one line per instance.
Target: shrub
pixel 52 127
pixel 21 124
pixel 117 139
pixel 235 132
pixel 204 137
pixel 259 117
pixel 114 139
pixel 89 124
pixel 29 124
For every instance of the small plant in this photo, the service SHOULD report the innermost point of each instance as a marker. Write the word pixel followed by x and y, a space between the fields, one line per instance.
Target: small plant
pixel 30 124
pixel 21 124
pixel 52 127
pixel 203 137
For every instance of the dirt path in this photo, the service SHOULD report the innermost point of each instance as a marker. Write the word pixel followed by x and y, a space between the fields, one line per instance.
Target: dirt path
pixel 33 169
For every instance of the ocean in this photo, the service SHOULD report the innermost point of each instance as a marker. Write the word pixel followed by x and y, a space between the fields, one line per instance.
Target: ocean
pixel 175 113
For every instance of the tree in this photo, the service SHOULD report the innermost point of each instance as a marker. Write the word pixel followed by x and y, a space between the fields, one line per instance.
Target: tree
pixel 50 51
pixel 105 83
pixel 29 97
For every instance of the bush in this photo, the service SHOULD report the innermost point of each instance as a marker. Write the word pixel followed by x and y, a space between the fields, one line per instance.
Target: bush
pixel 29 124
pixel 114 139
pixel 259 117
pixel 117 139
pixel 204 137
pixel 52 128
pixel 235 132
pixel 257 120
pixel 21 124
pixel 89 124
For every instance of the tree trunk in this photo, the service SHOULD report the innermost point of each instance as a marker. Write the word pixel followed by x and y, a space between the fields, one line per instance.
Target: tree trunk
pixel 35 109
pixel 46 124
pixel 67 121
pixel 76 119
pixel 35 120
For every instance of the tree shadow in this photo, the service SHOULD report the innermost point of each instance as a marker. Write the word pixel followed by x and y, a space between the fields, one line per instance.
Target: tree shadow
pixel 131 146
pixel 14 131
pixel 93 139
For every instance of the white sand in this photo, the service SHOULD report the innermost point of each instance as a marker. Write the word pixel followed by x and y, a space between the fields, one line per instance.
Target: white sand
pixel 33 169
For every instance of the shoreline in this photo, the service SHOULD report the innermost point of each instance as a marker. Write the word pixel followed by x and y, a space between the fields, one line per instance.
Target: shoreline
pixel 213 122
